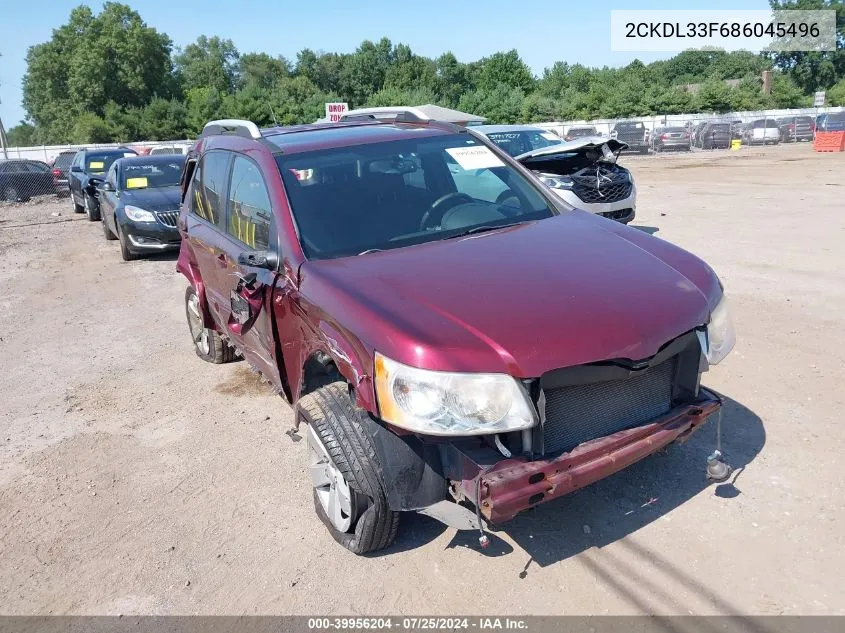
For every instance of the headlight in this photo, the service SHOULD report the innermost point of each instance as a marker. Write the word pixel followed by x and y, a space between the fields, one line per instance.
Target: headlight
pixel 721 337
pixel 446 403
pixel 556 182
pixel 136 214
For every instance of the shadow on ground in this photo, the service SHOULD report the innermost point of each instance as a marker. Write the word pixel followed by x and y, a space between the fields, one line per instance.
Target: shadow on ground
pixel 615 507
pixel 651 230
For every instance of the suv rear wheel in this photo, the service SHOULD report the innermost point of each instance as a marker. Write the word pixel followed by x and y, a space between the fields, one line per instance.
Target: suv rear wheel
pixel 208 344
pixel 349 492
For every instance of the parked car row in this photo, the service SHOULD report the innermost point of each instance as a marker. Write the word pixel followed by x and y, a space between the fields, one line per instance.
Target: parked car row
pixel 456 337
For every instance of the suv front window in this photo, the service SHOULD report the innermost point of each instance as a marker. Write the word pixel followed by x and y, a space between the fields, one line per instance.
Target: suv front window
pixel 353 199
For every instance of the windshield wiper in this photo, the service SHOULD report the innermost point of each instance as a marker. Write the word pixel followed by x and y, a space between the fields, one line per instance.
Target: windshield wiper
pixel 483 229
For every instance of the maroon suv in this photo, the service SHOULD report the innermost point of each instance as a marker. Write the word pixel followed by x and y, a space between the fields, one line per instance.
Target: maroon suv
pixel 457 340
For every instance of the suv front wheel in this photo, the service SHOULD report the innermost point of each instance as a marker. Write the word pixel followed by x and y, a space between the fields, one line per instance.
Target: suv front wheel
pixel 349 493
pixel 208 344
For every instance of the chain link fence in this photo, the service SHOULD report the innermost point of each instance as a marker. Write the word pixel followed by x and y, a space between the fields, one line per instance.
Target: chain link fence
pixel 40 172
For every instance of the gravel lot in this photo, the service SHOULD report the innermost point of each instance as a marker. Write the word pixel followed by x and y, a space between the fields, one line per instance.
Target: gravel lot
pixel 134 478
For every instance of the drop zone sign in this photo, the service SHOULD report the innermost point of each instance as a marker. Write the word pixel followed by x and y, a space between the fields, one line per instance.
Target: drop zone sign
pixel 336 110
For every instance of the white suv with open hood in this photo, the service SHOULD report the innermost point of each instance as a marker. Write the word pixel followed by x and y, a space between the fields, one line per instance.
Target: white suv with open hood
pixel 583 172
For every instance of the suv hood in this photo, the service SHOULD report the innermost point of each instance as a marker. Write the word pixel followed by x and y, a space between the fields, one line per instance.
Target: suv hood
pixel 522 300
pixel 579 147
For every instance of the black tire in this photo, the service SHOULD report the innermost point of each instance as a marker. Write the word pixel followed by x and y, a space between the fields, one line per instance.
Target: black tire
pixel 127 255
pixel 338 423
pixel 92 212
pixel 219 351
pixel 106 230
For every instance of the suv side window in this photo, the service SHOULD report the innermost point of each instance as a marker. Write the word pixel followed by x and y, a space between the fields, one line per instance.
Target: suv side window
pixel 210 177
pixel 112 177
pixel 250 214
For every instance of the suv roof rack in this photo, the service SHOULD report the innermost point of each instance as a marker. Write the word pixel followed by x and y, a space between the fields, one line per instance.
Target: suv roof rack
pixel 232 127
pixel 397 113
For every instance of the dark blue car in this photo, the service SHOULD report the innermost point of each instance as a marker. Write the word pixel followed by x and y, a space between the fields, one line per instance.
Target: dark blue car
pixel 139 203
pixel 87 171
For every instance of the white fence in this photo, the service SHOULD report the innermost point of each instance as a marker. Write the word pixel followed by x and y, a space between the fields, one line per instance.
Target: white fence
pixel 604 126
pixel 46 153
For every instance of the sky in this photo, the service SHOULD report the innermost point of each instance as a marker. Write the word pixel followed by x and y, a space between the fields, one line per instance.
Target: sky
pixel 542 32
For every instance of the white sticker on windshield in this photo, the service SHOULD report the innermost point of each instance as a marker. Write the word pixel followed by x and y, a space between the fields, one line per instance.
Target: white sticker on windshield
pixel 549 136
pixel 475 157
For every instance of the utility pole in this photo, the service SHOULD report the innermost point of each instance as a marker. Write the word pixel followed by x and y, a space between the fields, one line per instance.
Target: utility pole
pixel 4 143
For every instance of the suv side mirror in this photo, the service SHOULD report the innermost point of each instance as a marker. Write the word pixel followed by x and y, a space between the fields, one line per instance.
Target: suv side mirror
pixel 76 169
pixel 259 259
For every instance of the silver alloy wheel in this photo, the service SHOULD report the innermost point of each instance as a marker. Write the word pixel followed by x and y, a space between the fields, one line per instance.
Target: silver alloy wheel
pixel 330 485
pixel 87 204
pixel 12 194
pixel 198 332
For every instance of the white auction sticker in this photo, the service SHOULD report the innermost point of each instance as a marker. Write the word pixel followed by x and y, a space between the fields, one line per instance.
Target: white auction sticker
pixel 475 157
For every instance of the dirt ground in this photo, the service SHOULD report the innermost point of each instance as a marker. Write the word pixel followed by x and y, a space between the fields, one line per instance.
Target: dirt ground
pixel 136 479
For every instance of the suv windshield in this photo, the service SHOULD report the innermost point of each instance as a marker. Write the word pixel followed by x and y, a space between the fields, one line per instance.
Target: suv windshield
pixel 519 142
pixel 349 200
pixel 152 174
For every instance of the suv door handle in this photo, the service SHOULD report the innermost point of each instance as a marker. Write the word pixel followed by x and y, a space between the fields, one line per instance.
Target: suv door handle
pixel 221 260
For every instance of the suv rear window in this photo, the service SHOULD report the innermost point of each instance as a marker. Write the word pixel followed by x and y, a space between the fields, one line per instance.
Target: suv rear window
pixel 63 160
pixel 765 123
pixel 210 178
pixel 249 205
pixel 392 194
pixel 100 163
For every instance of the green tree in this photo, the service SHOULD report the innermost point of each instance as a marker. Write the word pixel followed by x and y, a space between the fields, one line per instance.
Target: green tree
pixel 538 108
pixel 203 105
pixel 505 69
pixel 91 128
pixel 92 60
pixel 410 72
pixel 363 72
pixel 261 70
pixel 812 70
pixel 210 62
pixel 452 79
pixel 163 120
pixel 835 96
pixel 714 96
pixel 500 105
pixel 22 135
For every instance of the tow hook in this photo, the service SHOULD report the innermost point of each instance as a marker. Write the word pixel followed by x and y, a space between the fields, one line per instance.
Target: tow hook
pixel 483 541
pixel 718 470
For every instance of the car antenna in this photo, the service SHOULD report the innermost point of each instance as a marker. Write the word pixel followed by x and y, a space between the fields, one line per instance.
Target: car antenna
pixel 275 122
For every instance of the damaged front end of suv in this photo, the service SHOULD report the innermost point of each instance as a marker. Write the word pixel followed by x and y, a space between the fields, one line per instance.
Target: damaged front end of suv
pixel 586 175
